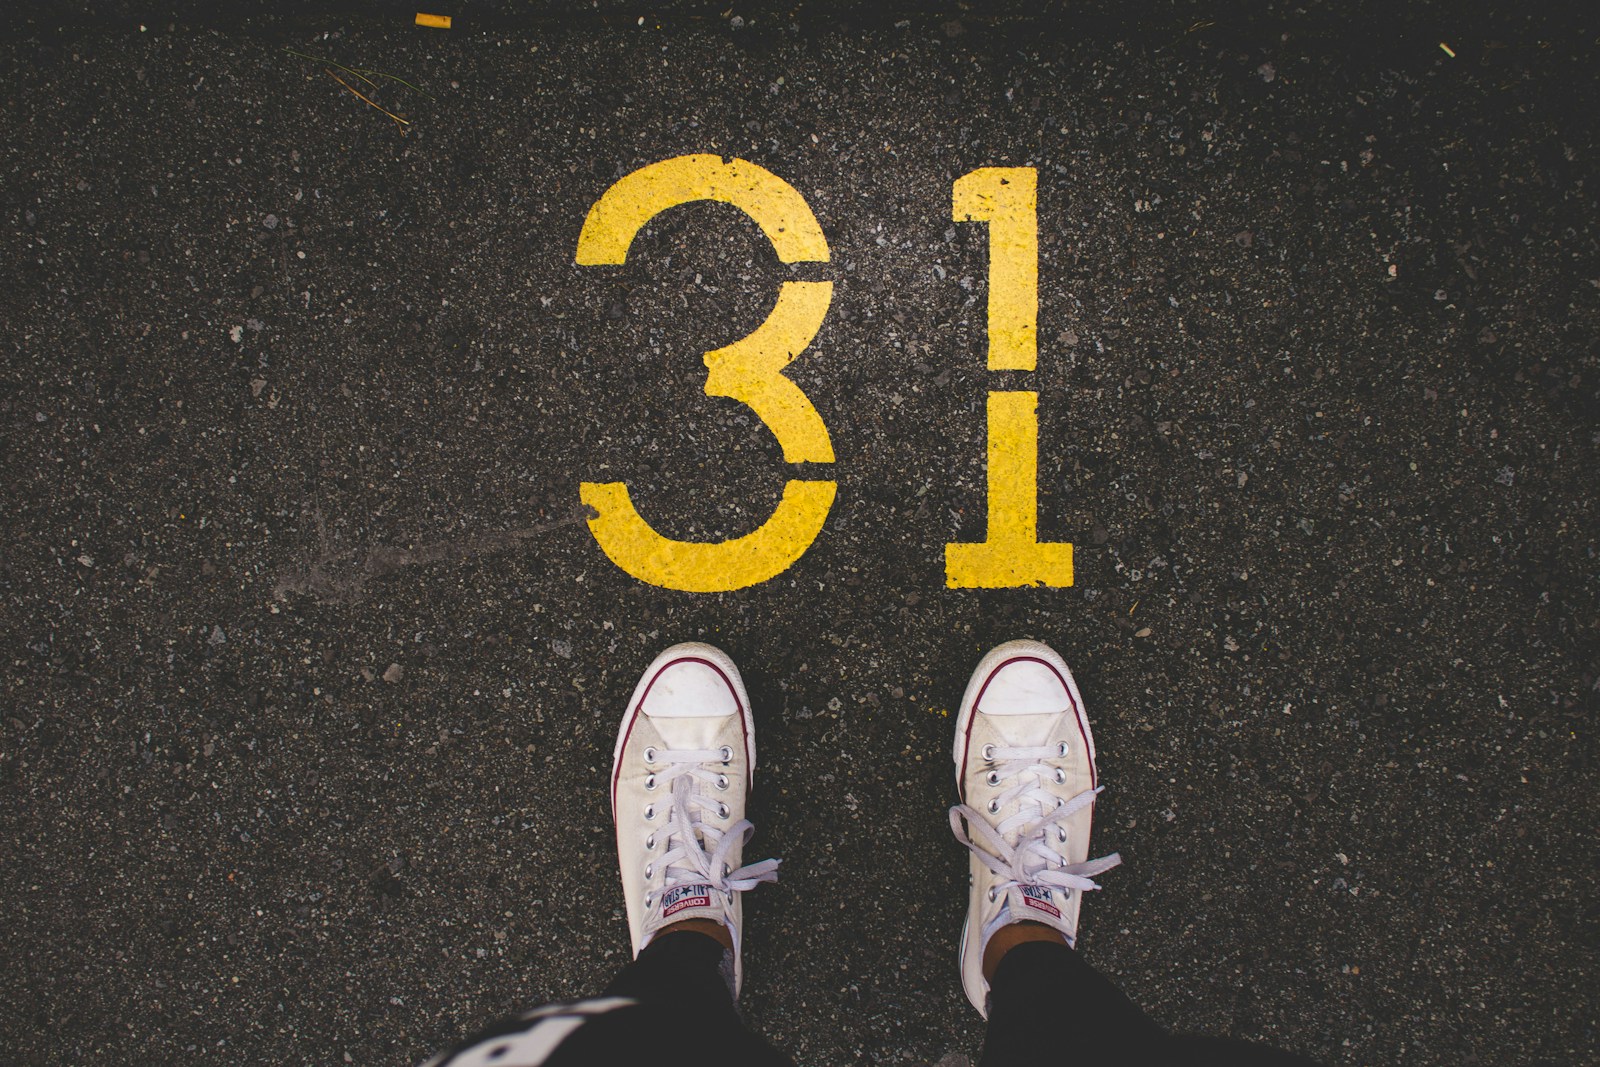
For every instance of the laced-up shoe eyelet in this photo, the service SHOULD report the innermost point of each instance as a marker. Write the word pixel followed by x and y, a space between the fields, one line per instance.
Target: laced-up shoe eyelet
pixel 994 807
pixel 649 899
pixel 993 896
pixel 649 811
pixel 650 842
pixel 649 781
pixel 726 870
pixel 1062 836
pixel 649 870
pixel 722 781
pixel 650 754
pixel 1061 776
pixel 1061 749
pixel 988 753
pixel 993 778
pixel 726 754
pixel 722 811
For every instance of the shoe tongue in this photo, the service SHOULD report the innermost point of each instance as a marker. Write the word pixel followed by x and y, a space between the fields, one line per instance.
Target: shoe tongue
pixel 1033 904
pixel 1021 730
pixel 690 731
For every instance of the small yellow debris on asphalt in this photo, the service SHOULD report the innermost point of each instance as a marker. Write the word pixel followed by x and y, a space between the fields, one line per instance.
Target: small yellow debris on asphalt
pixel 1447 50
pixel 437 22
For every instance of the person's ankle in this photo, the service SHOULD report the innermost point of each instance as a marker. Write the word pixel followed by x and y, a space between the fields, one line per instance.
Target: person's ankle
pixel 1009 937
pixel 708 927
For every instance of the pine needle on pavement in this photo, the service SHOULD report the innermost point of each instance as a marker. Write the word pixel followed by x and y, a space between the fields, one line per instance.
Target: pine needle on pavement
pixel 402 122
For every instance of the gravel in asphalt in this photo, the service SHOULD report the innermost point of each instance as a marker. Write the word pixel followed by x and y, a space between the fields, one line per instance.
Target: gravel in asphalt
pixel 313 665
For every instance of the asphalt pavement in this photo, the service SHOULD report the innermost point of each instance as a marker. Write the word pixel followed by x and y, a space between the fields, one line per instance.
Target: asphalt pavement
pixel 314 661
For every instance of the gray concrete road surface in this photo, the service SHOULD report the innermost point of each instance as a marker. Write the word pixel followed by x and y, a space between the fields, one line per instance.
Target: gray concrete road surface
pixel 313 663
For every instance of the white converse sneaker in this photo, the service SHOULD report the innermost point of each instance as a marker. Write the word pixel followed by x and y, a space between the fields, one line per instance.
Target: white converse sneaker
pixel 680 772
pixel 1025 768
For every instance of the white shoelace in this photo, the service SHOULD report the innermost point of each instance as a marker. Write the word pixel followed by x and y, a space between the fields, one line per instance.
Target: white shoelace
pixel 687 835
pixel 1024 848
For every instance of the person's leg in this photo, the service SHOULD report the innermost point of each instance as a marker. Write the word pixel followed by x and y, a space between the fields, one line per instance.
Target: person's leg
pixel 1042 990
pixel 683 977
pixel 681 769
pixel 1024 761
pixel 671 1005
pixel 1044 998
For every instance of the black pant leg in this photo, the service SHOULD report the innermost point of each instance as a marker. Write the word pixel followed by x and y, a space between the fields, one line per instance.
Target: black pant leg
pixel 672 1006
pixel 1046 1006
pixel 686 970
pixel 688 977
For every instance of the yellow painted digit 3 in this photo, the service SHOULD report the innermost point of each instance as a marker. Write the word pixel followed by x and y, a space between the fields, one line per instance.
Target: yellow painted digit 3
pixel 749 370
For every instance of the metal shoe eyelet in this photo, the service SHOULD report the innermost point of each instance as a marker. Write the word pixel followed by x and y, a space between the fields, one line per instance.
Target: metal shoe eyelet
pixel 993 778
pixel 727 755
pixel 994 807
pixel 722 811
pixel 722 781
pixel 649 899
pixel 1062 834
pixel 649 870
pixel 993 896
pixel 1062 748
pixel 650 754
pixel 988 753
pixel 649 781
pixel 726 870
pixel 1061 776
pixel 650 842
pixel 649 811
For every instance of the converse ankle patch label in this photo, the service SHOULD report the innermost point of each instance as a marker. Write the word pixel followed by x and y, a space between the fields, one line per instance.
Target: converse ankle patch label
pixel 1037 896
pixel 685 896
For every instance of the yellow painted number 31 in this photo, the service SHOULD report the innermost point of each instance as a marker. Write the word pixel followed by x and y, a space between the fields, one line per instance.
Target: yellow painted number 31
pixel 751 371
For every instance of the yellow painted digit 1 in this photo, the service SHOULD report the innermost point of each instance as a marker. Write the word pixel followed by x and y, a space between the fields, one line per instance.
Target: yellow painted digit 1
pixel 749 370
pixel 1011 553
